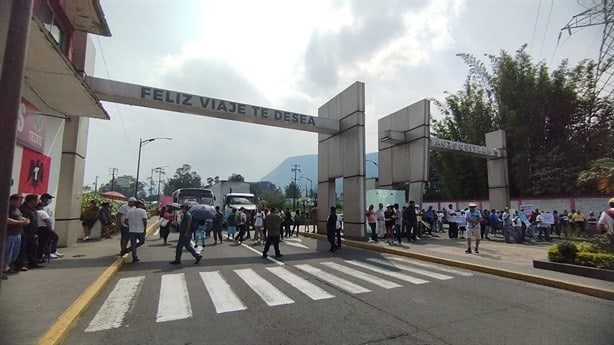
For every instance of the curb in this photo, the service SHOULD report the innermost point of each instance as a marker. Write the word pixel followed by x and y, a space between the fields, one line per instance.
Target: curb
pixel 530 278
pixel 60 328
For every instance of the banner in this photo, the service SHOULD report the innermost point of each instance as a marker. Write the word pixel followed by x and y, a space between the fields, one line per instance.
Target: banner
pixel 34 174
pixel 31 127
pixel 547 218
pixel 527 209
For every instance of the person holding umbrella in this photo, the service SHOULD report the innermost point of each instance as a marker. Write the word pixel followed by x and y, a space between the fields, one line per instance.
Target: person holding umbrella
pixel 184 238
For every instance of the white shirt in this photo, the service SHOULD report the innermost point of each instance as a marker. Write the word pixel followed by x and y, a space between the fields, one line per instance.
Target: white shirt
pixel 42 216
pixel 50 213
pixel 259 221
pixel 451 215
pixel 380 214
pixel 123 211
pixel 608 221
pixel 135 219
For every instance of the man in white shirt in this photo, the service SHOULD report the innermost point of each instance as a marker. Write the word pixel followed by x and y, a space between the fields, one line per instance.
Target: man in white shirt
pixel 136 220
pixel 451 218
pixel 381 223
pixel 124 230
pixel 606 222
pixel 45 201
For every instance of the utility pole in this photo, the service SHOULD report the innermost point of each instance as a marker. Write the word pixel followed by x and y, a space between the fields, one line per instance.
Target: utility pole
pixel 96 184
pixel 113 171
pixel 160 171
pixel 295 168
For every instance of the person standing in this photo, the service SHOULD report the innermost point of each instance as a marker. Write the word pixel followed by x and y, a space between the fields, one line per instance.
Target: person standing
pixel 29 247
pixel 451 219
pixel 231 227
pixel 313 214
pixel 331 228
pixel 136 220
pixel 15 223
pixel 44 232
pixel 605 224
pixel 123 228
pixel 296 222
pixel 106 221
pixel 372 221
pixel 473 217
pixel 287 223
pixel 542 228
pixel 411 219
pixel 398 220
pixel 241 224
pixel 273 225
pixel 381 221
pixel 165 223
pixel 258 223
pixel 184 237
pixel 217 225
pixel 45 201
pixel 89 218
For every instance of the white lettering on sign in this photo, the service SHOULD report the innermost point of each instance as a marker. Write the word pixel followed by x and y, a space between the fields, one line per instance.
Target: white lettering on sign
pixel 223 106
pixel 35 138
pixel 450 145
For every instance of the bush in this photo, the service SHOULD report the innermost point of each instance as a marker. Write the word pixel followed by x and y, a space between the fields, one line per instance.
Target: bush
pixel 568 251
pixel 554 255
pixel 601 260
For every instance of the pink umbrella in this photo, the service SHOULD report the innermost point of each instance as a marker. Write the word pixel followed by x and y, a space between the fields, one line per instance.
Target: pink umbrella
pixel 113 195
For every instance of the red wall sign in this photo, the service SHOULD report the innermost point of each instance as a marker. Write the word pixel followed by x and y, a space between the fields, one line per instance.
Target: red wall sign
pixel 34 174
pixel 31 127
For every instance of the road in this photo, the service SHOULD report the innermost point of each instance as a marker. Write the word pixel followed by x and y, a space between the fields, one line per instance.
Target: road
pixel 311 296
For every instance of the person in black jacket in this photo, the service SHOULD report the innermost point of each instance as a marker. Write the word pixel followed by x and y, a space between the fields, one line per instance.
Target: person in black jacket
pixel 331 228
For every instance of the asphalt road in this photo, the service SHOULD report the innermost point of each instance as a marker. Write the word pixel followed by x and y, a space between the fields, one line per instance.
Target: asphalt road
pixel 311 296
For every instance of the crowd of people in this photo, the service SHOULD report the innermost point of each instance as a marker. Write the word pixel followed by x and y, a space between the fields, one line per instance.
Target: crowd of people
pixel 392 223
pixel 30 239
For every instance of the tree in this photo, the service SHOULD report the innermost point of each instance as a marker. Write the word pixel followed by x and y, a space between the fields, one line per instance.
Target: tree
pixel 125 185
pixel 555 125
pixel 184 178
pixel 259 188
pixel 600 174
pixel 293 190
pixel 273 198
pixel 209 182
pixel 236 178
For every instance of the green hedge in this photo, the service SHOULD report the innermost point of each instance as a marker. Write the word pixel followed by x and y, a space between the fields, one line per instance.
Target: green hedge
pixel 586 254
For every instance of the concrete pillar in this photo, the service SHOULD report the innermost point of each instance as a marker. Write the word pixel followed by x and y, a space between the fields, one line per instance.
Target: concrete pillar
pixel 343 155
pixel 72 169
pixel 498 179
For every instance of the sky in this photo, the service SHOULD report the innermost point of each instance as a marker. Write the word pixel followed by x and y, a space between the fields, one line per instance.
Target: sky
pixel 295 56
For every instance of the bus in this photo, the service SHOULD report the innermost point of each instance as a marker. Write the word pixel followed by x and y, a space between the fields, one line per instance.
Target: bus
pixel 193 196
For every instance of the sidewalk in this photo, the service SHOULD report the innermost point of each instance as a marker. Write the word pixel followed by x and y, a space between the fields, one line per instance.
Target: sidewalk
pixel 496 257
pixel 31 302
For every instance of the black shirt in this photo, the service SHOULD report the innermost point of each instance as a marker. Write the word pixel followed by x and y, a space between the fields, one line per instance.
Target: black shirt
pixel 32 228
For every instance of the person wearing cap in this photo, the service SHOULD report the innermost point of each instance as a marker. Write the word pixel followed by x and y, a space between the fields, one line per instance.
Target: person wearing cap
pixel 184 238
pixel 136 220
pixel 45 201
pixel 123 228
pixel 605 224
pixel 473 217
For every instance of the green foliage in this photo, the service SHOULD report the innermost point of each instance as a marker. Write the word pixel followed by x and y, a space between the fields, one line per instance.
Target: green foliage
pixel 554 255
pixel 568 251
pixel 600 175
pixel 600 260
pixel 125 185
pixel 236 178
pixel 258 188
pixel 87 198
pixel 273 198
pixel 184 178
pixel 293 190
pixel 555 122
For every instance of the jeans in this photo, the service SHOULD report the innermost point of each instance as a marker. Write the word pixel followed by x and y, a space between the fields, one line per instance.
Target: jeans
pixel 184 241
pixel 545 231
pixel 330 235
pixel 275 241
pixel 453 230
pixel 217 233
pixel 412 230
pixel 12 247
pixel 397 231
pixel 241 228
pixel 134 236
pixel 373 231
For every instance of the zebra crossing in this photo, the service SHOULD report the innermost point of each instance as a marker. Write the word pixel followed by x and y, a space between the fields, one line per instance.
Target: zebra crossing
pixel 268 285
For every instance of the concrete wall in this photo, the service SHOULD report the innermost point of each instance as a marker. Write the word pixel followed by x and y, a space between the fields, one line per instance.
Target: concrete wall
pixel 584 204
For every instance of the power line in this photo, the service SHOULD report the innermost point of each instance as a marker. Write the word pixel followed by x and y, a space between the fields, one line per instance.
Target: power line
pixel 295 168
pixel 535 25
pixel 546 28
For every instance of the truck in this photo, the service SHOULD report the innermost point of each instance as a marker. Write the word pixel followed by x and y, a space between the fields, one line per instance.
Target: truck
pixel 231 194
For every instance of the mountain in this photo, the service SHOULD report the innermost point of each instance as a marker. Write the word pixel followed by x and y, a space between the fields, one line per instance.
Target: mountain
pixel 282 175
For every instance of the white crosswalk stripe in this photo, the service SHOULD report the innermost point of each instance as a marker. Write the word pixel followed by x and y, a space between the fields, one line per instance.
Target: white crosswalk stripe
pixel 266 282
pixel 332 279
pixel 311 290
pixel 393 274
pixel 267 291
pixel 412 269
pixel 174 301
pixel 432 266
pixel 119 302
pixel 386 284
pixel 222 296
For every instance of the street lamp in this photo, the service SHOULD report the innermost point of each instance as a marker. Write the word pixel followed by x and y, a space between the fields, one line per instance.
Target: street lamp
pixel 310 184
pixel 160 171
pixel 138 164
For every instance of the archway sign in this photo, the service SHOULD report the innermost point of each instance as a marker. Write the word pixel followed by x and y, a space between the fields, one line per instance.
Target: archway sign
pixel 340 124
pixel 404 145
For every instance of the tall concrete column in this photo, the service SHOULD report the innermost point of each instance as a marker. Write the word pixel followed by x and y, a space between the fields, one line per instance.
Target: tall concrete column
pixel 72 169
pixel 498 179
pixel 343 155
